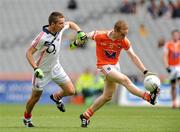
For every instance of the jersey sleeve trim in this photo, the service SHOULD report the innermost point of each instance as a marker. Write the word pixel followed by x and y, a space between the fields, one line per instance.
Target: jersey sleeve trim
pixel 94 35
pixel 37 39
pixel 127 44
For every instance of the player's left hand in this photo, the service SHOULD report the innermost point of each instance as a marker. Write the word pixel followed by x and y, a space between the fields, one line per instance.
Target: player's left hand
pixel 148 73
pixel 81 38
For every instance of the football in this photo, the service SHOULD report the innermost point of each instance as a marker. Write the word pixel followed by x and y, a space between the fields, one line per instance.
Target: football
pixel 151 82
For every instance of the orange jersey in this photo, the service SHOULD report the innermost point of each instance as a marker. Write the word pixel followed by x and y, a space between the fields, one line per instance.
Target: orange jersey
pixel 173 50
pixel 108 50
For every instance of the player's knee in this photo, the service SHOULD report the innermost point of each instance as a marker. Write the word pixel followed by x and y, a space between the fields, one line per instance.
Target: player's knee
pixel 126 81
pixel 71 92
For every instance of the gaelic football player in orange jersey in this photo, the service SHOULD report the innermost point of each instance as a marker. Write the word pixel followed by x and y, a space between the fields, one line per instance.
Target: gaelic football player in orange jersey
pixel 108 47
pixel 171 56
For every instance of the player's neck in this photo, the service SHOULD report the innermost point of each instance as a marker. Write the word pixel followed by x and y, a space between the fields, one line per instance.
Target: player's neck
pixel 175 41
pixel 50 29
pixel 111 36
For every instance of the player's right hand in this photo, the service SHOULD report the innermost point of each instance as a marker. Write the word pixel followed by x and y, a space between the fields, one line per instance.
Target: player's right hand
pixel 38 73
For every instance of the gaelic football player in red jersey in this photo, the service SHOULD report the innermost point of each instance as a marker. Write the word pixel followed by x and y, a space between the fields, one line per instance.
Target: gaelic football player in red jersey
pixel 108 47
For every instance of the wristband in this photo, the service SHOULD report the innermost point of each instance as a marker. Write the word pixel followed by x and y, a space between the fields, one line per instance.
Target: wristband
pixel 79 31
pixel 35 68
pixel 145 72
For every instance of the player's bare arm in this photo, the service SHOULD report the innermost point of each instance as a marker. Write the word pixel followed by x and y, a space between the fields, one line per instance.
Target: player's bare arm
pixel 92 34
pixel 136 60
pixel 37 71
pixel 73 26
pixel 29 56
pixel 165 57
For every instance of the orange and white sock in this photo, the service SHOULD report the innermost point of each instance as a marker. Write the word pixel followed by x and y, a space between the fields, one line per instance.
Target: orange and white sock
pixel 88 113
pixel 146 96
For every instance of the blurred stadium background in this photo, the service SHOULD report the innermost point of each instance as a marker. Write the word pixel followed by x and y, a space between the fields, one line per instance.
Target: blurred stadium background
pixel 21 21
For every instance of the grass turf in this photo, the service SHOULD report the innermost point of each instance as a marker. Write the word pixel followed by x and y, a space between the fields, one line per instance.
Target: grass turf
pixel 110 118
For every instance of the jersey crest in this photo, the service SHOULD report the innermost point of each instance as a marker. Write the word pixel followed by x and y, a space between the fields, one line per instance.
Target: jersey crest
pixel 110 54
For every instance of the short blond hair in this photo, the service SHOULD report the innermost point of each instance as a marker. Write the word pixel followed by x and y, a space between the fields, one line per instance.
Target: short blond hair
pixel 120 25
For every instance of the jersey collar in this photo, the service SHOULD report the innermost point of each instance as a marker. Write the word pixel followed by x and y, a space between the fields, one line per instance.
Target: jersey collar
pixel 47 31
pixel 108 34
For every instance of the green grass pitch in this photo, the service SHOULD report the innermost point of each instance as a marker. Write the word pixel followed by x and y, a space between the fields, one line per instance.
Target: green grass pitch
pixel 110 118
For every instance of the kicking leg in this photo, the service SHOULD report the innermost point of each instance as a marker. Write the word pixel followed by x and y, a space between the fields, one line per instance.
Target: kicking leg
pixel 126 82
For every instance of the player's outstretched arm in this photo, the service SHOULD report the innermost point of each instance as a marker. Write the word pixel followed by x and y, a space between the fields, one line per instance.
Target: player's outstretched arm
pixel 89 35
pixel 93 34
pixel 81 37
pixel 136 60
pixel 74 26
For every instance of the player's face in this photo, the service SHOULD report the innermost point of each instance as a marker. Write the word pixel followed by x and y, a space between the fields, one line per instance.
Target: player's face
pixel 176 36
pixel 59 24
pixel 121 34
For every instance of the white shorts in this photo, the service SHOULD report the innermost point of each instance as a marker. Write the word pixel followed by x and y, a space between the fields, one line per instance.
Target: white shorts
pixel 175 73
pixel 57 75
pixel 106 69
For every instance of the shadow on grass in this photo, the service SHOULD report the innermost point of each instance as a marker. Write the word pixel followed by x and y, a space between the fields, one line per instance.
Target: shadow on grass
pixel 56 127
pixel 37 127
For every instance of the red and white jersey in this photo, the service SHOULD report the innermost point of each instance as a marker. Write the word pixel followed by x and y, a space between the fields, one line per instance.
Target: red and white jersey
pixel 108 50
pixel 173 51
pixel 48 48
